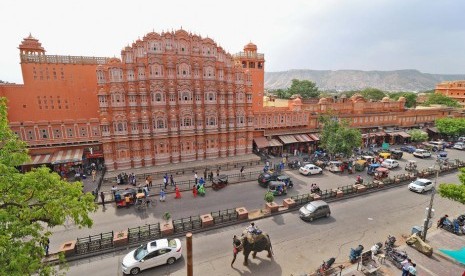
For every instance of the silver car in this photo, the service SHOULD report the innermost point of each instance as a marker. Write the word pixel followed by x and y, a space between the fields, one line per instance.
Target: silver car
pixel 315 209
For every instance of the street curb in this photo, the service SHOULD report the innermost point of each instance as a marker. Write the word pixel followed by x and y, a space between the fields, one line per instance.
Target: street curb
pixel 447 258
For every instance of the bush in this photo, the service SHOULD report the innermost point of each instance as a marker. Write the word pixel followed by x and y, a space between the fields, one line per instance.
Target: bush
pixel 166 216
pixel 269 197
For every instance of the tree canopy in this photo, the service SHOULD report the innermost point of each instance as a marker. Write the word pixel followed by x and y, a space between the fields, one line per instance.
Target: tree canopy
pixel 373 94
pixel 418 135
pixel 337 137
pixel 436 98
pixel 410 98
pixel 305 88
pixel 452 191
pixel 451 126
pixel 31 203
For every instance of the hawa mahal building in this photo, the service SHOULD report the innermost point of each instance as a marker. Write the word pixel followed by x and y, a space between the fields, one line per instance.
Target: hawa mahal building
pixel 175 97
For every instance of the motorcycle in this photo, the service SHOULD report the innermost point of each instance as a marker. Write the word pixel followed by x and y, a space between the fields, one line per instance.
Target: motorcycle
pixel 376 248
pixel 315 189
pixel 389 243
pixel 325 266
pixel 295 164
pixel 359 181
pixel 355 253
pixel 451 226
pixel 396 256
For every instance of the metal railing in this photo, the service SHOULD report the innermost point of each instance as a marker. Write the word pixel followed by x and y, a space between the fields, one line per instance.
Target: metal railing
pixel 225 215
pixel 94 243
pixel 187 224
pixel 144 233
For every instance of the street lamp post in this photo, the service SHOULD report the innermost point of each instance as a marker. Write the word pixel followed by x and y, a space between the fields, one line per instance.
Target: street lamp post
pixel 430 208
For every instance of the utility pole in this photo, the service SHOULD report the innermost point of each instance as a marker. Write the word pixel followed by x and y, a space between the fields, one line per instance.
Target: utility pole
pixel 430 208
pixel 190 271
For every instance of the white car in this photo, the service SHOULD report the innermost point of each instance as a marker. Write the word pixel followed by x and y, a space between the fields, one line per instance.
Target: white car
pixel 459 145
pixel 151 254
pixel 421 153
pixel 310 169
pixel 421 185
pixel 390 163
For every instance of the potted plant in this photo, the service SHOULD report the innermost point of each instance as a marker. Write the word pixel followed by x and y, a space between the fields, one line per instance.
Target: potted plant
pixel 167 217
pixel 120 238
pixel 270 204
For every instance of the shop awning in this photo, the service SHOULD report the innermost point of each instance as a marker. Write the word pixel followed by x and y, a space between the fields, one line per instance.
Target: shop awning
pixel 314 136
pixel 275 143
pixel 364 135
pixel 261 142
pixel 404 134
pixel 39 159
pixel 303 138
pixel 433 129
pixel 288 139
pixel 393 134
pixel 380 134
pixel 65 156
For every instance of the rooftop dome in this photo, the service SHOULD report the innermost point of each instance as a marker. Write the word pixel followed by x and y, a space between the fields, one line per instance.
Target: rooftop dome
pixel 32 44
pixel 323 101
pixel 402 99
pixel 250 47
pixel 385 100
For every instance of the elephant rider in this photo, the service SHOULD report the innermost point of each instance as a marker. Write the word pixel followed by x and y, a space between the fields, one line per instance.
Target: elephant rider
pixel 252 229
pixel 237 247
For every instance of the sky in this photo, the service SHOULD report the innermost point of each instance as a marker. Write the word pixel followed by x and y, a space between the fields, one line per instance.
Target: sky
pixel 427 35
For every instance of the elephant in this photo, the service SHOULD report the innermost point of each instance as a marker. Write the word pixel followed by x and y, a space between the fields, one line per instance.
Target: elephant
pixel 262 242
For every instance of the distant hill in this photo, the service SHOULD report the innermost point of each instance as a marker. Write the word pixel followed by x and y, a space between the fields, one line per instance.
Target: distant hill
pixel 344 80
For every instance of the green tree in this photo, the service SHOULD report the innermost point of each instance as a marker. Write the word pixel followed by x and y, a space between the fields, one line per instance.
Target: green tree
pixel 373 94
pixel 410 98
pixel 349 94
pixel 451 126
pixel 282 93
pixel 337 137
pixel 452 191
pixel 441 99
pixel 418 135
pixel 31 203
pixel 305 88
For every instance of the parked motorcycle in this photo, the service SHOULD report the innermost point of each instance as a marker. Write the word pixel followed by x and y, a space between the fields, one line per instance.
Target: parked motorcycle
pixel 396 256
pixel 325 266
pixel 314 189
pixel 355 253
pixel 451 226
pixel 295 164
pixel 389 243
pixel 376 248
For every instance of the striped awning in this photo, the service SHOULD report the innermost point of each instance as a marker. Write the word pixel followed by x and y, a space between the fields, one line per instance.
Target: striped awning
pixel 288 139
pixel 404 134
pixel 261 142
pixel 275 143
pixel 314 136
pixel 303 138
pixel 65 156
pixel 39 159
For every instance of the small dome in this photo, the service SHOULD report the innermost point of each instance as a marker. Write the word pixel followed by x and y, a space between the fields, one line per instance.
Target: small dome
pixel 297 101
pixel 402 99
pixel 102 91
pixel 104 121
pixel 385 100
pixel 250 47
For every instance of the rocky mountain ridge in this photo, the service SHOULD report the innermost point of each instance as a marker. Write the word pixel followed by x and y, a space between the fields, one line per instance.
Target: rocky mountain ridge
pixel 346 80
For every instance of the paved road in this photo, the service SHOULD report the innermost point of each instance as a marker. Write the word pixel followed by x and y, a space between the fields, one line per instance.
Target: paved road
pixel 298 246
pixel 247 194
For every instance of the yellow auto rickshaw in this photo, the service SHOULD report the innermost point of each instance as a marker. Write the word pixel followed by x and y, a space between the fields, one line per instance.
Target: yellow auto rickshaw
pixel 360 165
pixel 385 154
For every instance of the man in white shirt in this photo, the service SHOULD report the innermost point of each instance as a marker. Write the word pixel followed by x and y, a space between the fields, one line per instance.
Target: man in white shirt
pixel 412 271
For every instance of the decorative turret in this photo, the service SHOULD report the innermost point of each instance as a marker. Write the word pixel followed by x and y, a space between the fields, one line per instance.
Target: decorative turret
pixel 31 46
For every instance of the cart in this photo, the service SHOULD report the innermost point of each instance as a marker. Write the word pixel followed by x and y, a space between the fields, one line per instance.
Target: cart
pixel 125 198
pixel 411 165
pixel 335 166
pixel 372 168
pixel 219 182
pixel 381 173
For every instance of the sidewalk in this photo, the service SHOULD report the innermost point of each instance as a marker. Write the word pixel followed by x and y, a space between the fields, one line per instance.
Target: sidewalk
pixel 437 265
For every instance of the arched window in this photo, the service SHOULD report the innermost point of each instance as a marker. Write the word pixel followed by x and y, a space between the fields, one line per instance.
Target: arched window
pixel 186 121
pixel 211 121
pixel 160 123
pixel 185 96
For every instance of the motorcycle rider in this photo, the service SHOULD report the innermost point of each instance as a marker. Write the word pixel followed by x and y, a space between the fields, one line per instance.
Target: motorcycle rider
pixel 359 179
pixel 314 188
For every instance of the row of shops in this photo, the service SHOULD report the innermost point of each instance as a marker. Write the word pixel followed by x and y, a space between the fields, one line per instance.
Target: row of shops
pixel 308 142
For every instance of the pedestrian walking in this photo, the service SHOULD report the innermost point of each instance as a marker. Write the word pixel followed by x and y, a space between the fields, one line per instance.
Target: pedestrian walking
pixel 196 178
pixel 113 190
pixel 165 182
pixel 172 180
pixel 237 247
pixel 150 181
pixel 178 193
pixel 102 197
pixel 412 270
pixel 405 265
pixel 242 170
pixel 146 191
pixel 205 174
pixel 194 190
pixel 94 173
pixel 162 195
pixel 218 172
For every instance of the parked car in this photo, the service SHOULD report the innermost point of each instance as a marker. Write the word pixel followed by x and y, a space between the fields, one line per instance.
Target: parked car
pixel 459 146
pixel 310 169
pixel 421 185
pixel 151 254
pixel 435 145
pixel 409 149
pixel 265 178
pixel 442 154
pixel 390 163
pixel 421 153
pixel 315 209
pixel 396 154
